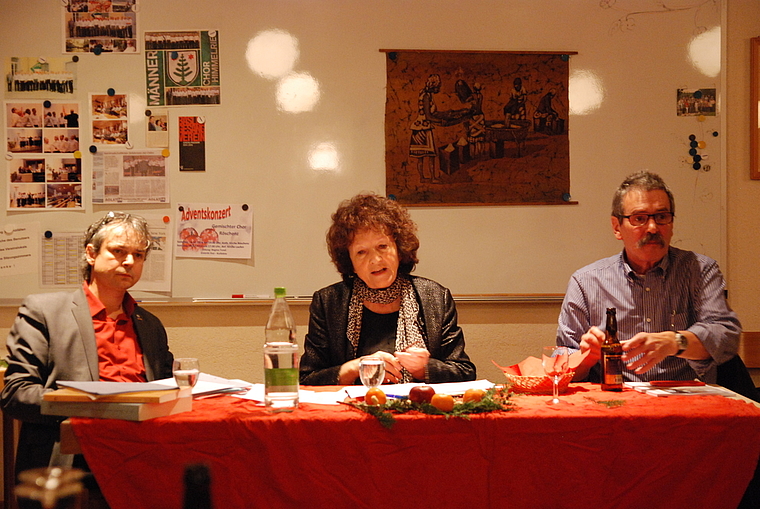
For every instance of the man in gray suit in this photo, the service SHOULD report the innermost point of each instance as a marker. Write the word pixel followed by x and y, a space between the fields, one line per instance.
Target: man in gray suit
pixel 97 332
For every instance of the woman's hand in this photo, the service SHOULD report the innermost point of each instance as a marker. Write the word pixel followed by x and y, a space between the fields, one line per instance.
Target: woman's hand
pixel 414 359
pixel 392 367
pixel 349 371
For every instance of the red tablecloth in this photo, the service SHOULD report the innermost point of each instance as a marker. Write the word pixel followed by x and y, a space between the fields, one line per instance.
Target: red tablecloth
pixel 673 452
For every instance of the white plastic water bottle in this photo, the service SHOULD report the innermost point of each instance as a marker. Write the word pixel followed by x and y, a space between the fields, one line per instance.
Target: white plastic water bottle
pixel 280 356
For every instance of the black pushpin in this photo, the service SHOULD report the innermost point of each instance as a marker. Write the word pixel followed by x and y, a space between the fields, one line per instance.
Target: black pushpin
pixel 93 149
pixel 393 56
pixel 692 137
pixel 111 92
pixel 692 151
pixel 565 58
pixel 148 113
pixel 565 196
pixel 697 158
pixel 48 234
pixel 47 104
pixel 693 144
pixel 245 206
pixel 715 134
pixel 698 94
pixel 75 58
pixel 98 49
pixel 181 208
pixel 392 197
pixel 696 166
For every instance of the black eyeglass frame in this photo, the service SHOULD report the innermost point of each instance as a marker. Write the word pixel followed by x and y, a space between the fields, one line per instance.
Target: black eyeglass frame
pixel 669 216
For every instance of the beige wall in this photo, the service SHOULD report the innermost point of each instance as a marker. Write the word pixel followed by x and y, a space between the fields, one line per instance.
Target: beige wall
pixel 227 338
pixel 743 194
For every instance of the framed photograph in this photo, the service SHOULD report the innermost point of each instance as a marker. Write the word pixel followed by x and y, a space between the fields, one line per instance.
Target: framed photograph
pixel 754 122
pixel 477 128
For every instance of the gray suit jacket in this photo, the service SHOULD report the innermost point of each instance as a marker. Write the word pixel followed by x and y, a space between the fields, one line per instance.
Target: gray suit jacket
pixel 53 339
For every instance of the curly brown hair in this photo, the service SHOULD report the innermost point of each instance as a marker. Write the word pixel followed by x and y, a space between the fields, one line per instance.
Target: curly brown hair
pixel 372 212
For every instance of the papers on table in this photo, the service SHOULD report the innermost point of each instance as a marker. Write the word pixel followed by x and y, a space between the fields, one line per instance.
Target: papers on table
pixel 256 391
pixel 208 385
pixel 684 390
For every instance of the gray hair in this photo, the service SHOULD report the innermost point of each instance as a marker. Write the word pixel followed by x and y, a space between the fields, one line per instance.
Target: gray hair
pixel 643 180
pixel 97 231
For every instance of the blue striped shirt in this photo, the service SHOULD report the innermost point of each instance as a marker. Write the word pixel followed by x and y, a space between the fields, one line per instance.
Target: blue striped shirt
pixel 683 292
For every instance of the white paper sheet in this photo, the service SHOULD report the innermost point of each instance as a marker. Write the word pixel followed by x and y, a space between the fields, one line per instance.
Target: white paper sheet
pixel 209 384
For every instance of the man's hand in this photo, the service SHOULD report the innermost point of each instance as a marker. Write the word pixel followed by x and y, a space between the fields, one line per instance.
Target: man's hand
pixel 591 342
pixel 653 348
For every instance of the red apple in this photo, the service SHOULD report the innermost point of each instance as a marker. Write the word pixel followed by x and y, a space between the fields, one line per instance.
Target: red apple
pixel 421 394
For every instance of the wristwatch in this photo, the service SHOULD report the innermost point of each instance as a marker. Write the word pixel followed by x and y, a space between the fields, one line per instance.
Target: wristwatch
pixel 682 342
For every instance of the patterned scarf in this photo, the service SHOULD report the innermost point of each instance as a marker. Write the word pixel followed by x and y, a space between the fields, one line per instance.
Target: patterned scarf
pixel 408 331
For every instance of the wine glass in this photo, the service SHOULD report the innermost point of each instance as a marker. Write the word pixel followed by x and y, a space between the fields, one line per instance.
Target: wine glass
pixel 555 362
pixel 371 371
pixel 186 371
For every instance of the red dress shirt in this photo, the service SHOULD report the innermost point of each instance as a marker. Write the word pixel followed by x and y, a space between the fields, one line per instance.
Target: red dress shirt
pixel 119 354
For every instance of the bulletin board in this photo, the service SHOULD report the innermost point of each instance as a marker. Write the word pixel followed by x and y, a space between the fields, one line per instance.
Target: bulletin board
pixel 293 145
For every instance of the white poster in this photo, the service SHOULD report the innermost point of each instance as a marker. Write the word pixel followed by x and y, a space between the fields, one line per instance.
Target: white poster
pixel 214 230
pixel 19 248
pixel 157 271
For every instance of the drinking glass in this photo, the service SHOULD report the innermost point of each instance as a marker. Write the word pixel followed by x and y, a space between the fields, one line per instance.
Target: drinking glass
pixel 186 371
pixel 555 362
pixel 371 371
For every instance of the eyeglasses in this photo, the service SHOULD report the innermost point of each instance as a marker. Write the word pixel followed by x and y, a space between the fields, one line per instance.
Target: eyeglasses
pixel 661 218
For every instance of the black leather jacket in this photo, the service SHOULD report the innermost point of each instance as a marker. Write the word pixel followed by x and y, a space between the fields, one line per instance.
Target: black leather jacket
pixel 327 346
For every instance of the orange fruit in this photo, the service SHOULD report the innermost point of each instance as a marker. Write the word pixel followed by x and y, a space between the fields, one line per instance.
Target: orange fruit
pixel 473 395
pixel 375 396
pixel 443 402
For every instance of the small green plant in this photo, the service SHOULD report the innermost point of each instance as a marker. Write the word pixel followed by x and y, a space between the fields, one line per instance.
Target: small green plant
pixel 495 400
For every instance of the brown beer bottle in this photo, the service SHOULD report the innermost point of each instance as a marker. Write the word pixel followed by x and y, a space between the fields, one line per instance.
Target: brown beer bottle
pixel 612 365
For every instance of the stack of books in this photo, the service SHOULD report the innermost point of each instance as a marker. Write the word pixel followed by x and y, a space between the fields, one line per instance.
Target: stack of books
pixel 113 400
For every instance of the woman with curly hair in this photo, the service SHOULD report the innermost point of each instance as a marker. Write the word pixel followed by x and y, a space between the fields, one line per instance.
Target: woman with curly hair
pixel 379 308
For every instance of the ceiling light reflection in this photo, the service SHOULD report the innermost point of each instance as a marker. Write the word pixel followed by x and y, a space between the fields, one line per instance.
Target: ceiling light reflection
pixel 324 157
pixel 586 92
pixel 272 53
pixel 297 92
pixel 704 52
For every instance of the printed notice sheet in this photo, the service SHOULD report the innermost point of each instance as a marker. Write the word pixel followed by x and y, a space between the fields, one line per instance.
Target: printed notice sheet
pixel 60 263
pixel 19 248
pixel 214 230
pixel 129 177
pixel 157 271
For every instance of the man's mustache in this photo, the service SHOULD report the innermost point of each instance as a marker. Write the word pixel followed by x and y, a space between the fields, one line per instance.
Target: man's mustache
pixel 652 237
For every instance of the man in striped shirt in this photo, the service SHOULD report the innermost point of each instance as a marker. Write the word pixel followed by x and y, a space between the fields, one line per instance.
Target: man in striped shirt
pixel 673 318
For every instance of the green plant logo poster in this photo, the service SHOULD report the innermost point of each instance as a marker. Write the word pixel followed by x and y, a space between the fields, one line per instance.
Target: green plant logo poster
pixel 182 68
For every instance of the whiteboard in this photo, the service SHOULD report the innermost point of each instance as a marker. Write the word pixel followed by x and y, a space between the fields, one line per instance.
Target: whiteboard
pixel 258 154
